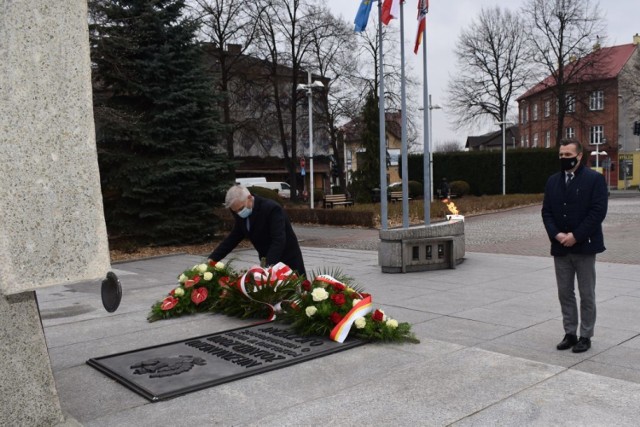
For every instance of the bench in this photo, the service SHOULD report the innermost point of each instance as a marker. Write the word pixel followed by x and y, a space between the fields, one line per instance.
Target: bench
pixel 396 196
pixel 331 200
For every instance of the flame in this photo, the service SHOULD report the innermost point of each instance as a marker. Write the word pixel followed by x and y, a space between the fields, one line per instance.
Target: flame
pixel 451 206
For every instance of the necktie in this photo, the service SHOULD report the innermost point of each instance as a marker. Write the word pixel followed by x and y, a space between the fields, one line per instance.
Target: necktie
pixel 569 177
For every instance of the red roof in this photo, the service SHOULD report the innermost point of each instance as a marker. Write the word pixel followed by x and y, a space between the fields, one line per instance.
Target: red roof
pixel 608 62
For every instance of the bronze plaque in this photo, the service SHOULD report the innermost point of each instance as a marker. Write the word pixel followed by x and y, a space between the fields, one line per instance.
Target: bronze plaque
pixel 173 369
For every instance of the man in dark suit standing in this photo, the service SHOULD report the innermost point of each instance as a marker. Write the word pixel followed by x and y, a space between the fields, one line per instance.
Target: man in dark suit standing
pixel 574 206
pixel 265 224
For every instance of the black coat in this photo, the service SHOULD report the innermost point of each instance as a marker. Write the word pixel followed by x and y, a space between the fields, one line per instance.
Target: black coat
pixel 269 231
pixel 578 208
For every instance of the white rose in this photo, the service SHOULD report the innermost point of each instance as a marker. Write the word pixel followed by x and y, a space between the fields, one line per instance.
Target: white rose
pixel 392 323
pixel 310 311
pixel 219 265
pixel 202 268
pixel 207 276
pixel 182 278
pixel 319 294
pixel 356 301
pixel 360 322
pixel 178 292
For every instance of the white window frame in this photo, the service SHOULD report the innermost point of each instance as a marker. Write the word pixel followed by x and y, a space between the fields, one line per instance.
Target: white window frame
pixel 535 140
pixel 534 112
pixel 547 107
pixel 547 139
pixel 570 103
pixel 596 135
pixel 570 132
pixel 596 100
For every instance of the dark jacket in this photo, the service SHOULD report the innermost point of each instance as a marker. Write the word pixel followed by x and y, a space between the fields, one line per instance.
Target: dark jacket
pixel 577 208
pixel 269 231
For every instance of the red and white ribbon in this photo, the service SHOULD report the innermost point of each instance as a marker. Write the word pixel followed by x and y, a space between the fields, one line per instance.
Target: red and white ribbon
pixel 273 276
pixel 361 309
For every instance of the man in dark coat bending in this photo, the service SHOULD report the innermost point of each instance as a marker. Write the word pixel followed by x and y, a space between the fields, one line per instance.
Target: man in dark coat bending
pixel 574 206
pixel 265 224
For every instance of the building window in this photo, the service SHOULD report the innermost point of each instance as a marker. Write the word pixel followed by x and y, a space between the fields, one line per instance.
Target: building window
pixel 535 140
pixel 524 114
pixel 596 100
pixel 596 135
pixel 570 133
pixel 522 141
pixel 547 107
pixel 570 101
pixel 526 141
pixel 547 139
pixel 534 112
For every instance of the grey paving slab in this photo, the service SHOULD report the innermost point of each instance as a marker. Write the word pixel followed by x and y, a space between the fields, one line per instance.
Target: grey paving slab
pixel 569 398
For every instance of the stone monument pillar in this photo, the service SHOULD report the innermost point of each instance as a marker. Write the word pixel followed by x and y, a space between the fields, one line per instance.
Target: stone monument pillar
pixel 52 228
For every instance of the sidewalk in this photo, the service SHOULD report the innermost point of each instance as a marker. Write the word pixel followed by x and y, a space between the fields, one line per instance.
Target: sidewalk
pixel 487 356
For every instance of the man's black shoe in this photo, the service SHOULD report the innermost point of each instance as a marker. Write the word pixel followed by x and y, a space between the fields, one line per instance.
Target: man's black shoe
pixel 567 342
pixel 583 345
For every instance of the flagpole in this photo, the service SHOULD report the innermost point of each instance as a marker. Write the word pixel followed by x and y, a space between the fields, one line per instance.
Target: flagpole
pixel 426 158
pixel 405 168
pixel 382 127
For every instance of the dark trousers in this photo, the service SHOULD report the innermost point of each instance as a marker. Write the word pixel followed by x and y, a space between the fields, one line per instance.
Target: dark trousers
pixel 582 267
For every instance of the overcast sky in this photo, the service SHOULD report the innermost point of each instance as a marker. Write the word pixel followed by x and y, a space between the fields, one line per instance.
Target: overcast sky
pixel 445 21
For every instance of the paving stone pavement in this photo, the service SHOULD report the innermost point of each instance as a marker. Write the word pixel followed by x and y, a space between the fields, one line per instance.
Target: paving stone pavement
pixel 487 355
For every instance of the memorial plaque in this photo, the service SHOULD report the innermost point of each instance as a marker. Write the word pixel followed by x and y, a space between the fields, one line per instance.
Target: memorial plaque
pixel 173 369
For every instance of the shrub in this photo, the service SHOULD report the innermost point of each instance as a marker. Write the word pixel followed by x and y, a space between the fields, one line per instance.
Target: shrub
pixel 318 195
pixel 416 189
pixel 459 188
pixel 336 216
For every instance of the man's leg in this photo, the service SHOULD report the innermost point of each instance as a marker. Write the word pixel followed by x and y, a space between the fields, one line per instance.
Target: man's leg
pixel 565 279
pixel 586 273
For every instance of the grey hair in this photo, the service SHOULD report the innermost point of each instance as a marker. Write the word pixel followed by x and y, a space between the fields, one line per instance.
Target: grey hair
pixel 235 193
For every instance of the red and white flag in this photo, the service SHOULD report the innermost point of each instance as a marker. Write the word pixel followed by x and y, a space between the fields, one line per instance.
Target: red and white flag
pixel 423 8
pixel 390 10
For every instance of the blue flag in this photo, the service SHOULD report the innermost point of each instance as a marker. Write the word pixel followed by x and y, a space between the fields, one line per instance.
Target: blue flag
pixel 362 17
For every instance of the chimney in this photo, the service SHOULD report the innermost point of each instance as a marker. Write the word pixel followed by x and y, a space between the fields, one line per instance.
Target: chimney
pixel 636 39
pixel 234 49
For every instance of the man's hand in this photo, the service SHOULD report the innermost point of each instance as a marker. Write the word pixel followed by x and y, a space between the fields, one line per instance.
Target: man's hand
pixel 566 239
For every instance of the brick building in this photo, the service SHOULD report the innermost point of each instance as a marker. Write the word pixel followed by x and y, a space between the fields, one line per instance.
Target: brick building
pixel 597 108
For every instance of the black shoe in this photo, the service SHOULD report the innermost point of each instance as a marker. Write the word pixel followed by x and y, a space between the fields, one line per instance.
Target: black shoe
pixel 583 345
pixel 567 342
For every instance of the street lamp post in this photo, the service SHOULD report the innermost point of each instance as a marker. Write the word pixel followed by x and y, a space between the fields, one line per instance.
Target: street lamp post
pixel 431 108
pixel 504 124
pixel 308 88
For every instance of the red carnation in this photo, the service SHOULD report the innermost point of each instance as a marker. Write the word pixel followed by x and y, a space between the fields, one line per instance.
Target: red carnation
pixel 338 299
pixel 168 303
pixel 306 285
pixel 199 295
pixel 335 317
pixel 224 281
pixel 377 316
pixel 338 287
pixel 212 263
pixel 196 279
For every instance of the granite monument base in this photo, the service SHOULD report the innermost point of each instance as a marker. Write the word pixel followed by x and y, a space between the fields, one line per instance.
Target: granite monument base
pixel 422 248
pixel 28 391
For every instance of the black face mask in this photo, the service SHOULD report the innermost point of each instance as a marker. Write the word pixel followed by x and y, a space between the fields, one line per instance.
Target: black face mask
pixel 567 163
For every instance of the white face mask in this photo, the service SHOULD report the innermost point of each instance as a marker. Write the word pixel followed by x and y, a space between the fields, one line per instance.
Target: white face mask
pixel 245 212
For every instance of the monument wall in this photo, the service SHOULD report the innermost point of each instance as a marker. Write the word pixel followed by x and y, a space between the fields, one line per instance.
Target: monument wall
pixel 52 228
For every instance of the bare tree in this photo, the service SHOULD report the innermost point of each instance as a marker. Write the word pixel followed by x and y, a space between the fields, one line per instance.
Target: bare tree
pixel 226 23
pixel 561 34
pixel 331 53
pixel 450 146
pixel 493 67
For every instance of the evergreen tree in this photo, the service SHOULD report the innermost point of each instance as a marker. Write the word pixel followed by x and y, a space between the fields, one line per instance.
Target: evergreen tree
pixel 367 177
pixel 156 125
